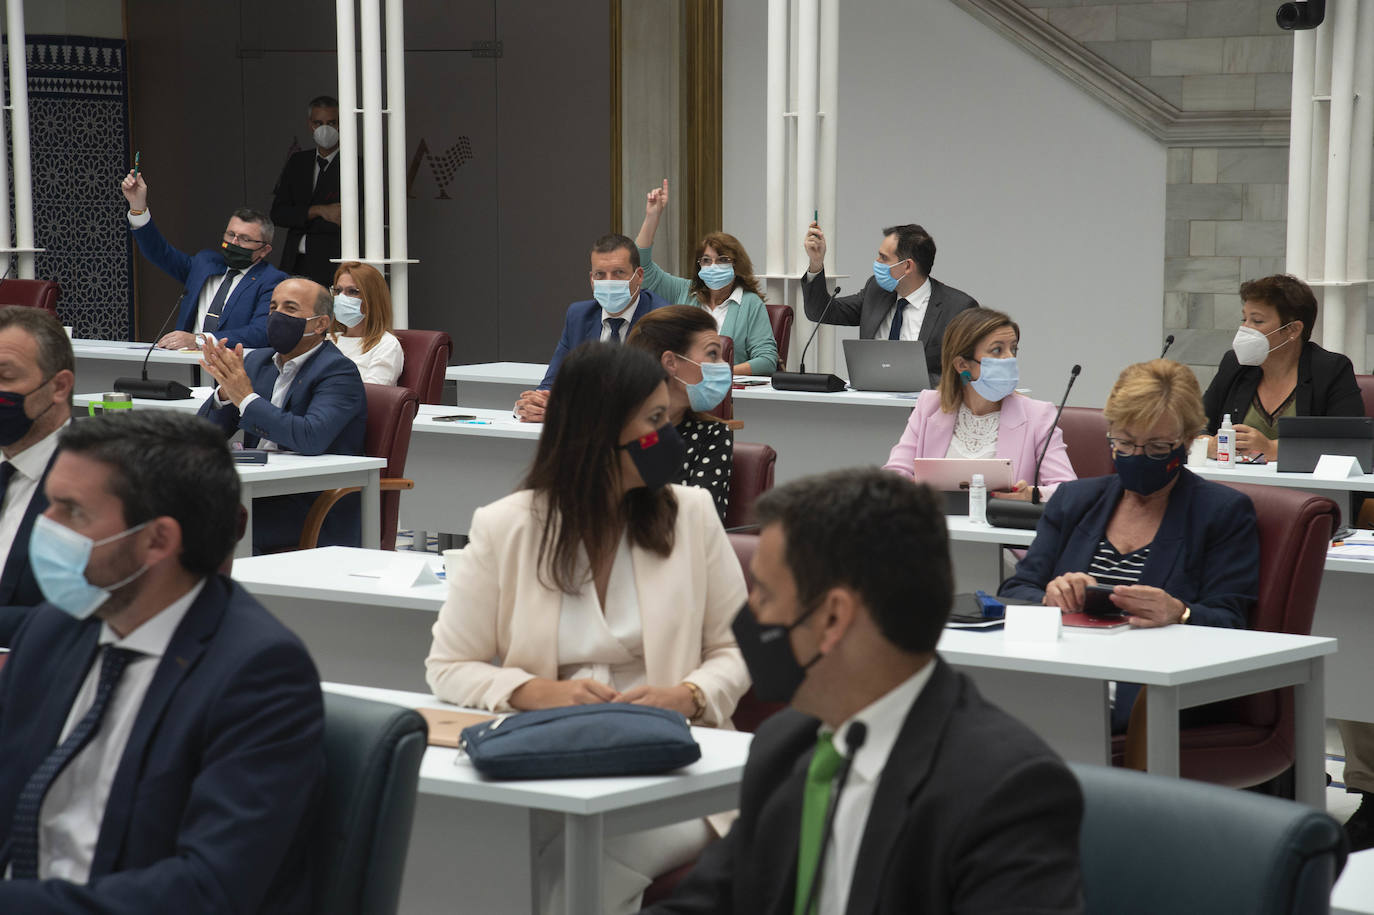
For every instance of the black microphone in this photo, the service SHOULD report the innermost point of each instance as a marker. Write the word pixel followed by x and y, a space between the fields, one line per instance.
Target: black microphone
pixel 1168 342
pixel 853 739
pixel 816 382
pixel 155 389
pixel 1026 515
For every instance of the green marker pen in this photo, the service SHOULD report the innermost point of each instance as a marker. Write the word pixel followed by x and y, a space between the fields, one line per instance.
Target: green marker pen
pixel 137 155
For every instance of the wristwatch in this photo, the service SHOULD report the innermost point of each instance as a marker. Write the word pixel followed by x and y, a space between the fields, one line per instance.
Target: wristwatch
pixel 698 700
pixel 1187 614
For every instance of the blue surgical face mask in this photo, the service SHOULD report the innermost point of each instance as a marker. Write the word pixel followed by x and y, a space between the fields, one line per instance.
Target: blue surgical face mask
pixel 59 556
pixel 883 274
pixel 348 310
pixel 996 379
pixel 716 378
pixel 717 276
pixel 612 295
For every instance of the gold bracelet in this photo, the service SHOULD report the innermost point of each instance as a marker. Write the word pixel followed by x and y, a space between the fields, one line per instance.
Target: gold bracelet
pixel 138 212
pixel 698 700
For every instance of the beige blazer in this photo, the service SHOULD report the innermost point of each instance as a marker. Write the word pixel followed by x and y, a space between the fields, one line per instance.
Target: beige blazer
pixel 498 609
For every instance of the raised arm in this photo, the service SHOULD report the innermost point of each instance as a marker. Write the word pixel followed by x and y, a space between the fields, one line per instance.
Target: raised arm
pixel 654 206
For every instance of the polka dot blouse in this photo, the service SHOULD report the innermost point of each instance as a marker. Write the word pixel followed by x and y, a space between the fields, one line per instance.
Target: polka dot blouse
pixel 710 456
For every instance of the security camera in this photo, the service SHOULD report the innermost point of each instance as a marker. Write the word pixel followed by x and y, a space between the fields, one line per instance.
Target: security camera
pixel 1305 15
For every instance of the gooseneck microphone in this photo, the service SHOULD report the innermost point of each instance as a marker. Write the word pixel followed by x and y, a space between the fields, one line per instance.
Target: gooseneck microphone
pixel 155 389
pixel 815 382
pixel 1026 515
pixel 853 740
pixel 1168 342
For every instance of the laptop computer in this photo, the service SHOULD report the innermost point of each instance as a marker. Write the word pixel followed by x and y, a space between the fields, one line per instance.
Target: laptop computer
pixel 887 365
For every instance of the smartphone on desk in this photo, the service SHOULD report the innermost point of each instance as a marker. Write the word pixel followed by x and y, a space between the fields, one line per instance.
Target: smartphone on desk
pixel 456 418
pixel 1097 602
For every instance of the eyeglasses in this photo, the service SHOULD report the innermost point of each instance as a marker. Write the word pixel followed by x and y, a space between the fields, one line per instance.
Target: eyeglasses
pixel 1155 451
pixel 707 260
pixel 352 291
pixel 245 241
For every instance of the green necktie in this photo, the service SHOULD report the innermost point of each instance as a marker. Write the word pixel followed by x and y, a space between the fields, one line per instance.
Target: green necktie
pixel 825 762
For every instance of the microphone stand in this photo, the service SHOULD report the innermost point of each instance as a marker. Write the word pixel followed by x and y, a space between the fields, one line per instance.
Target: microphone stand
pixel 155 389
pixel 815 382
pixel 1026 515
pixel 1168 342
pixel 853 740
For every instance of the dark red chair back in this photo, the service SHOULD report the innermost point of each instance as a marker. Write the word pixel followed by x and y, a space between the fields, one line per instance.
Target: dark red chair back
pixel 31 293
pixel 751 710
pixel 726 408
pixel 751 475
pixel 426 357
pixel 1085 438
pixel 780 320
pixel 390 415
pixel 1366 383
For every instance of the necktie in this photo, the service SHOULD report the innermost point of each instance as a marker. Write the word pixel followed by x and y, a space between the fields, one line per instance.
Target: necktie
pixel 24 831
pixel 825 762
pixel 6 472
pixel 616 324
pixel 321 164
pixel 217 304
pixel 896 332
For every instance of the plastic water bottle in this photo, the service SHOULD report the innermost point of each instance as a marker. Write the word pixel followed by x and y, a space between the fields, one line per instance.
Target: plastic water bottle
pixel 1226 442
pixel 977 500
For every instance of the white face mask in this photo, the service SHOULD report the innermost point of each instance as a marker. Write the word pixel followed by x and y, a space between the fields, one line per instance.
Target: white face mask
pixel 326 136
pixel 1252 347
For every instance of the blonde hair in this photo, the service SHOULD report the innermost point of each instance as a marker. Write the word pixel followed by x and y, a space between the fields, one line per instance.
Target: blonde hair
pixel 376 302
pixel 1147 391
pixel 962 336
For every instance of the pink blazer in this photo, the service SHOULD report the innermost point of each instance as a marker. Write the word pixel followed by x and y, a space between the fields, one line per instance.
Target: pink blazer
pixel 1020 435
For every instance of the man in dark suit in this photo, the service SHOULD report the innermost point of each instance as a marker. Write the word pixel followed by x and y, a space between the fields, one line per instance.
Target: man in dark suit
pixel 942 802
pixel 619 300
pixel 36 379
pixel 160 732
pixel 228 287
pixel 901 301
pixel 306 199
pixel 299 394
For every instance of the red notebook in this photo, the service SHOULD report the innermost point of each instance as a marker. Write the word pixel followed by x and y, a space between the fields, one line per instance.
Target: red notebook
pixel 1085 623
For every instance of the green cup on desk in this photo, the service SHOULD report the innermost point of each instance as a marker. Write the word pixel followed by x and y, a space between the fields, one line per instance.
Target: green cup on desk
pixel 109 402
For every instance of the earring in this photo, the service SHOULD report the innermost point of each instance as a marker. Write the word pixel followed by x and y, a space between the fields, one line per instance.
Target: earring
pixel 966 375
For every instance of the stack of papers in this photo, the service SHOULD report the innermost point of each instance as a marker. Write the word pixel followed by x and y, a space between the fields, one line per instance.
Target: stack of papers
pixel 1356 545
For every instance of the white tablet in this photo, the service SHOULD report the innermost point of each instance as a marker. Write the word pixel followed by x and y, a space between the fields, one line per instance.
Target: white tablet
pixel 954 474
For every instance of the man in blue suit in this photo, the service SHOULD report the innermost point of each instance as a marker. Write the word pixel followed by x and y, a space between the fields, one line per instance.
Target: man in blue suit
pixel 228 288
pixel 160 732
pixel 619 300
pixel 36 380
pixel 298 394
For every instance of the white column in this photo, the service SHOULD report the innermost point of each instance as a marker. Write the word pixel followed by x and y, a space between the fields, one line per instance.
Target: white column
pixel 1300 150
pixel 827 153
pixel 5 233
pixel 348 132
pixel 775 138
pixel 374 174
pixel 1343 22
pixel 19 112
pixel 1361 164
pixel 396 160
pixel 804 201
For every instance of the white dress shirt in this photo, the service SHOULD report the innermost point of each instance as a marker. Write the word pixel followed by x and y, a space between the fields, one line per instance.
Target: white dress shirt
pixel 29 465
pixel 719 312
pixel 316 180
pixel 912 318
pixel 884 719
pixel 625 316
pixel 286 375
pixel 70 817
pixel 380 365
pixel 211 287
pixel 606 645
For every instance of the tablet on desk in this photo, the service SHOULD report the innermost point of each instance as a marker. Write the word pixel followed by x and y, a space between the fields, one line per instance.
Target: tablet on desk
pixel 955 474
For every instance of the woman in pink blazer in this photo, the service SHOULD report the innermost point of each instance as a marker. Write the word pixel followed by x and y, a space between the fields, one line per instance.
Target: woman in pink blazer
pixel 976 412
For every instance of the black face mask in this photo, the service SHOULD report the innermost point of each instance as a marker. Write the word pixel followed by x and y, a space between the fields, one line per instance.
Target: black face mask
pixel 1145 475
pixel 285 331
pixel 238 258
pixel 768 654
pixel 658 456
pixel 14 422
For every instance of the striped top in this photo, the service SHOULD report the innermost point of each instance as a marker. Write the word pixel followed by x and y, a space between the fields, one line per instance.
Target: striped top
pixel 1111 568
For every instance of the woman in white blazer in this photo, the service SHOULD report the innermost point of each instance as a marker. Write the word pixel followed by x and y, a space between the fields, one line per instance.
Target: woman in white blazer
pixel 597 582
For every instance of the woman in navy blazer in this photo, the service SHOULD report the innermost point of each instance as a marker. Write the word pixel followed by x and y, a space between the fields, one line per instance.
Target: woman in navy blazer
pixel 1202 564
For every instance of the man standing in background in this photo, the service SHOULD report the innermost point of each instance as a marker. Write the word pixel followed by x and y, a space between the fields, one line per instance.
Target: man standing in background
pixel 306 199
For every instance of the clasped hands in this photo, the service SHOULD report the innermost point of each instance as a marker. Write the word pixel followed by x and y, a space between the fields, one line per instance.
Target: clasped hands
pixel 530 407
pixel 543 693
pixel 1146 605
pixel 225 365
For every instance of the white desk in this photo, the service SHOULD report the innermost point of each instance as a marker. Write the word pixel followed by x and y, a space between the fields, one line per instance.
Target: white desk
pixel 1060 689
pixel 495 385
pixel 813 433
pixel 1353 893
pixel 189 405
pixel 286 474
pixel 472 846
pixel 459 467
pixel 1268 475
pixel 100 362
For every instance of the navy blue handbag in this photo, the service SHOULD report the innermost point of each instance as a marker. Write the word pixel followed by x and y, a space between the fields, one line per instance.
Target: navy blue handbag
pixel 614 738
